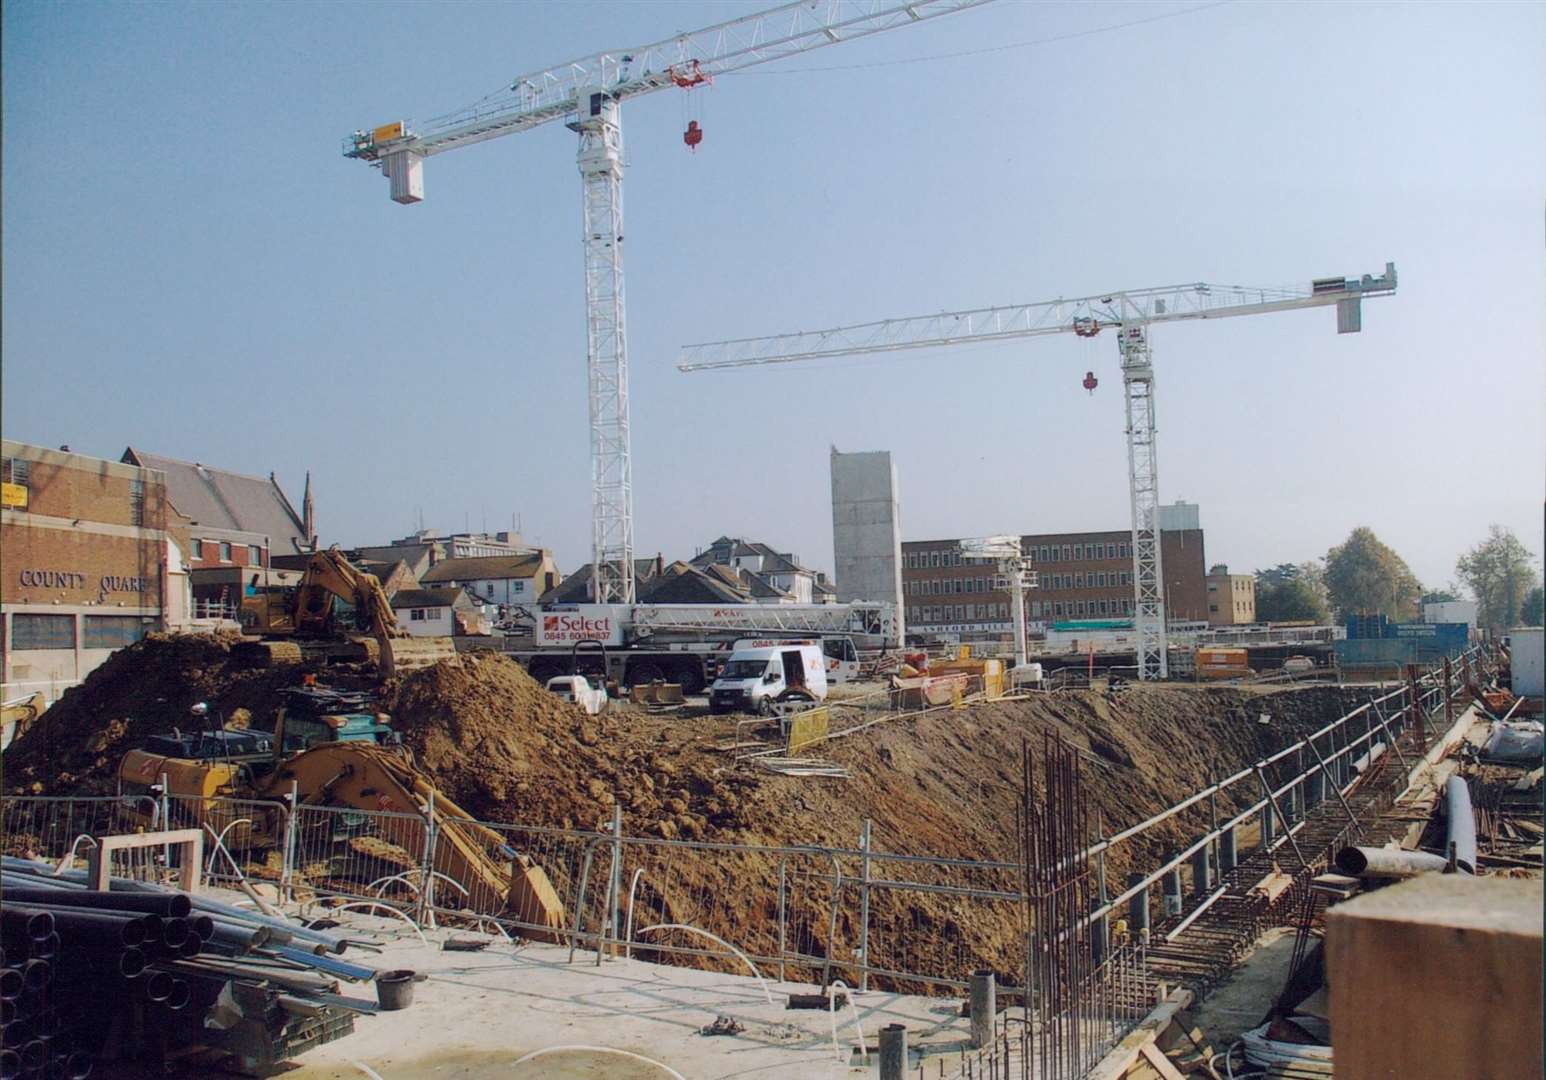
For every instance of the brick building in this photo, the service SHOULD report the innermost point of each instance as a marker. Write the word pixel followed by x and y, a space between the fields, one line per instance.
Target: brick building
pixel 1080 576
pixel 237 525
pixel 94 557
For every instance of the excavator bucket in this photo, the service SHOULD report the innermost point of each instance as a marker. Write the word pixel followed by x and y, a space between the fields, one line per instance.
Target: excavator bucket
pixel 406 654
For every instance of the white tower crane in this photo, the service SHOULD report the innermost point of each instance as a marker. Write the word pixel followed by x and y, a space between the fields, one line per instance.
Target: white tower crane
pixel 1131 314
pixel 587 94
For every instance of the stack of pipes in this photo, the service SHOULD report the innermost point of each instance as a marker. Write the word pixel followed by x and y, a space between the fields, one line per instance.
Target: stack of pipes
pixel 138 970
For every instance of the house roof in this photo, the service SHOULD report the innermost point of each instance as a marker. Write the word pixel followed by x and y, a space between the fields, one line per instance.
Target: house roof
pixel 760 586
pixel 575 588
pixel 726 548
pixel 413 598
pixel 484 568
pixel 217 499
pixel 682 583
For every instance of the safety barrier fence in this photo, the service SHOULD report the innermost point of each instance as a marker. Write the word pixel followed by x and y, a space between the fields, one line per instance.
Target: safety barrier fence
pixel 808 912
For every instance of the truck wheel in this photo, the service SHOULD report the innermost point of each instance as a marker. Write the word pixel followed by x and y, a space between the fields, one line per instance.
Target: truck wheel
pixel 644 672
pixel 690 677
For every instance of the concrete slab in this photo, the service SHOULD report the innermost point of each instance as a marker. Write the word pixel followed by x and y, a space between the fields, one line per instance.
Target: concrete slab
pixel 479 1013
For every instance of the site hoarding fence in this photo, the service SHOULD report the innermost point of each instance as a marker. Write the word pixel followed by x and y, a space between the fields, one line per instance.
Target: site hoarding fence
pixel 864 914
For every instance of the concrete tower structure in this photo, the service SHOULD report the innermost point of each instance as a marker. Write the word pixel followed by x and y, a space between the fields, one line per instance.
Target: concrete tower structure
pixel 867 530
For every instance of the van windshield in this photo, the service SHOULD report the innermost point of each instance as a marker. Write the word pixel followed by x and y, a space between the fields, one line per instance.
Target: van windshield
pixel 743 669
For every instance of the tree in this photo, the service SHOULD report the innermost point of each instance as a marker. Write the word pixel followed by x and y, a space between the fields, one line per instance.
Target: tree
pixel 1291 593
pixel 1447 595
pixel 1363 576
pixel 1499 573
pixel 1533 611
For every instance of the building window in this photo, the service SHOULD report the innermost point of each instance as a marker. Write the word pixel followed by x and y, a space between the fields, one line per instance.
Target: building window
pixel 1214 608
pixel 933 558
pixel 488 590
pixel 18 471
pixel 416 615
pixel 225 551
pixel 254 555
pixel 111 631
pixel 42 632
pixel 198 549
pixel 1103 608
pixel 1068 553
pixel 1078 581
pixel 137 502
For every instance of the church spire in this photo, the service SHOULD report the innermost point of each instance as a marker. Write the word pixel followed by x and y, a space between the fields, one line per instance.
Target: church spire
pixel 308 515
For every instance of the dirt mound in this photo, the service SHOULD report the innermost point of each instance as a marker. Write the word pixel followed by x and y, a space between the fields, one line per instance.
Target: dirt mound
pixel 504 749
pixel 145 689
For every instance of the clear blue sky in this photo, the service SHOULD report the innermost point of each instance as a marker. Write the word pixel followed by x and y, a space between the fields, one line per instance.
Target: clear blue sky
pixel 191 267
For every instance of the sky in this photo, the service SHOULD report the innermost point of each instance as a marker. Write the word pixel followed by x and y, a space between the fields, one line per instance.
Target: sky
pixel 191 266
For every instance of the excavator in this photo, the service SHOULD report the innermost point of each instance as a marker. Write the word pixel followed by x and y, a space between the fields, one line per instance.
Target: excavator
pixel 296 624
pixel 491 878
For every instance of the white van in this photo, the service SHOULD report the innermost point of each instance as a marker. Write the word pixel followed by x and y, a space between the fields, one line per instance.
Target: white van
pixel 842 658
pixel 753 680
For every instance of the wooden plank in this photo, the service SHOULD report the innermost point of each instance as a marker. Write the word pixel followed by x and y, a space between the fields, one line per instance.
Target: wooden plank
pixel 1115 1065
pixel 1161 1064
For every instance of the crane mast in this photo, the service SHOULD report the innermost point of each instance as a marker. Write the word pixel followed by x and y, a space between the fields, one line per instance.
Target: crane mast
pixel 1131 314
pixel 587 94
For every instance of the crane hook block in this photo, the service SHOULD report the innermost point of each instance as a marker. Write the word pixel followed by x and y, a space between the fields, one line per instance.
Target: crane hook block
pixel 1090 381
pixel 1085 326
pixel 693 135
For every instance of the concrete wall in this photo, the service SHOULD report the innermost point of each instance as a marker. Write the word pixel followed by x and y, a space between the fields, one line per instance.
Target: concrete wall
pixel 867 530
pixel 1527 662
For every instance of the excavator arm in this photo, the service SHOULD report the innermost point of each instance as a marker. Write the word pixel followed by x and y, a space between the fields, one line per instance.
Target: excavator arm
pixel 498 881
pixel 328 576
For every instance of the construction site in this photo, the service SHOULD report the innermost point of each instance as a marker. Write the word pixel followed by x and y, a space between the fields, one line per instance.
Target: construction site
pixel 1022 806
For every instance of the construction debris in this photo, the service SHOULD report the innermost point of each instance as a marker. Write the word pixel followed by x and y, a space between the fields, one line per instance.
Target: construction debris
pixel 141 972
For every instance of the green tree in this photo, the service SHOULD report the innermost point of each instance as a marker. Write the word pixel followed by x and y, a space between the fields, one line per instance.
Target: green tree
pixel 1533 611
pixel 1291 592
pixel 1499 573
pixel 1364 576
pixel 1446 595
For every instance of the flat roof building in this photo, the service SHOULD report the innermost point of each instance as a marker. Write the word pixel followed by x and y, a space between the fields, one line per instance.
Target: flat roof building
pixel 95 556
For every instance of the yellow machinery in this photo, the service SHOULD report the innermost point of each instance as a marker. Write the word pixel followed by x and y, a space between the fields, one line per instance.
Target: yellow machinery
pixel 360 776
pixel 19 714
pixel 306 615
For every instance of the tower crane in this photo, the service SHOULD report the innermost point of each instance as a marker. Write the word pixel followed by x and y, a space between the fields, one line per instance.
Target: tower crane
pixel 1130 314
pixel 587 94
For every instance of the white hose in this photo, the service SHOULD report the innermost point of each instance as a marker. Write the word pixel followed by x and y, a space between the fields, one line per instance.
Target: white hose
pixel 628 934
pixel 745 959
pixel 367 1070
pixel 600 1050
pixel 387 908
pixel 832 1012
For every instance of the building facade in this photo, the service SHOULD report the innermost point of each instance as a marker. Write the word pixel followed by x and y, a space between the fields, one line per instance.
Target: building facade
pixel 1231 597
pixel 499 580
pixel 237 525
pixel 1079 576
pixel 94 557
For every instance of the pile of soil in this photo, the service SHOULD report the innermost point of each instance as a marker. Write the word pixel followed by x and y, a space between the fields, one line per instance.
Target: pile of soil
pixel 145 689
pixel 941 784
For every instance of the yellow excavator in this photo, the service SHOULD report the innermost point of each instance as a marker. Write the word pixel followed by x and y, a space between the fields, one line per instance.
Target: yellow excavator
pixel 295 624
pixel 491 878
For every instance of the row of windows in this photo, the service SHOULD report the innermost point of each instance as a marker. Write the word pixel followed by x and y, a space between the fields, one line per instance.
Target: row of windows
pixel 254 552
pixel 425 614
pixel 924 560
pixel 1096 579
pixel 58 631
pixel 938 586
pixel 1080 552
pixel 1040 609
pixel 959 612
